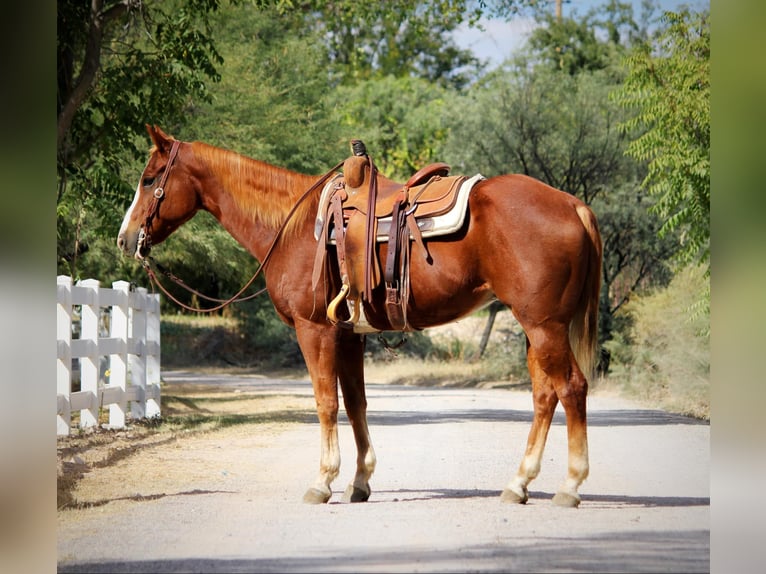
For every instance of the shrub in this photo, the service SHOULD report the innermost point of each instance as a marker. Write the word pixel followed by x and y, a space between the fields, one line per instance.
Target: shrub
pixel 665 357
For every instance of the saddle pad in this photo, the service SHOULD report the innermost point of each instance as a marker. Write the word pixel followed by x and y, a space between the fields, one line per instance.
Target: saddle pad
pixel 443 224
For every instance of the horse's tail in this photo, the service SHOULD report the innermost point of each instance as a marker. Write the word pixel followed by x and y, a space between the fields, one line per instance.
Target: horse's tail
pixel 583 330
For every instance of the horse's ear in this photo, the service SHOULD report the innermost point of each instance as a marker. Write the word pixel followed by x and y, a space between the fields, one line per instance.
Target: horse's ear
pixel 160 139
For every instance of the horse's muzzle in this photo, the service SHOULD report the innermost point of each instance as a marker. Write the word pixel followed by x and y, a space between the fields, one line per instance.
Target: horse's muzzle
pixel 138 247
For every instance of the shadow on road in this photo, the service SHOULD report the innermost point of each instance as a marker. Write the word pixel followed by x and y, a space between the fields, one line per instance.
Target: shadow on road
pixel 626 417
pixel 602 500
pixel 641 551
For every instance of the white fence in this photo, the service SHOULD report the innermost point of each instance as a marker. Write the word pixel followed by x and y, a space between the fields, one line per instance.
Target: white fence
pixel 118 350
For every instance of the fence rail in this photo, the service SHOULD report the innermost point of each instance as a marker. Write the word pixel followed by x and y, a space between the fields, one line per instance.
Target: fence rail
pixel 118 350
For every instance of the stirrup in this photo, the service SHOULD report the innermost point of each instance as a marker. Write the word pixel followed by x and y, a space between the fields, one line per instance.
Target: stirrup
pixel 332 308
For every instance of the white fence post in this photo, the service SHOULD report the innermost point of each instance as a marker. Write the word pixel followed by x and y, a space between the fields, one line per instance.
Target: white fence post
pixel 133 347
pixel 64 351
pixel 89 361
pixel 118 362
pixel 137 358
pixel 152 355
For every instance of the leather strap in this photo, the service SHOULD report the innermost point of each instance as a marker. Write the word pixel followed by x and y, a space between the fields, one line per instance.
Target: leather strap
pixel 397 265
pixel 336 205
pixel 370 233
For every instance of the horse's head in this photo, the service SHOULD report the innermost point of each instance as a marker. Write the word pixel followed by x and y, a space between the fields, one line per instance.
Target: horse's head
pixel 165 197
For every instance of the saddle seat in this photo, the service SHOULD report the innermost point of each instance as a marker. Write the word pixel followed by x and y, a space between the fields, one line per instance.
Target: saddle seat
pixel 430 190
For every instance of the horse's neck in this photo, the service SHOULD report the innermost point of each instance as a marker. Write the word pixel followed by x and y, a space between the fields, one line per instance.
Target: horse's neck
pixel 252 199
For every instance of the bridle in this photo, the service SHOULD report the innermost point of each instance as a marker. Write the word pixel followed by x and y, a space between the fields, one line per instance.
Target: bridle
pixel 144 233
pixel 145 242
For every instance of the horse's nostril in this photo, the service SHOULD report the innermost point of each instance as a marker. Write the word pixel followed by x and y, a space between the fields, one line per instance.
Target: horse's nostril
pixel 121 242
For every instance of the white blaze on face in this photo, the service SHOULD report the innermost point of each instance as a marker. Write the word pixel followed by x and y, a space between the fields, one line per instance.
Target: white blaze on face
pixel 129 213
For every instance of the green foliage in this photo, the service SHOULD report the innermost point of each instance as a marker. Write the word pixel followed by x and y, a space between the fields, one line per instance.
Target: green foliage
pixel 151 61
pixel 665 357
pixel 401 120
pixel 400 37
pixel 634 257
pixel 558 128
pixel 270 101
pixel 669 88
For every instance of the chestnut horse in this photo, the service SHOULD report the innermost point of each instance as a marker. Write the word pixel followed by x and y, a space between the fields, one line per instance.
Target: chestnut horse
pixel 536 249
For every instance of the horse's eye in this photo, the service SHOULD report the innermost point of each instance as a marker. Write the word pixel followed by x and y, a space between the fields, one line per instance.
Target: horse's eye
pixel 148 181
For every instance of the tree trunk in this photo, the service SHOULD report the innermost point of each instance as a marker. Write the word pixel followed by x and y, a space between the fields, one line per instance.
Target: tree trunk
pixel 494 307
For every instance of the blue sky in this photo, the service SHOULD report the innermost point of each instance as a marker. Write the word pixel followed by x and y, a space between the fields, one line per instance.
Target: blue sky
pixel 500 38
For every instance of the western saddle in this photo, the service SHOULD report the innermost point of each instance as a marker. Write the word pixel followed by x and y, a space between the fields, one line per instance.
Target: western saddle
pixel 362 207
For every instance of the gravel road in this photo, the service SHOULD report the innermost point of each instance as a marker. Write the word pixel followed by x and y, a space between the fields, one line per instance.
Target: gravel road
pixel 231 502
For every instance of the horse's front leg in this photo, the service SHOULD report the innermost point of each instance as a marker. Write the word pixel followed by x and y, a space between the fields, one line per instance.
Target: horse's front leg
pixel 351 374
pixel 319 345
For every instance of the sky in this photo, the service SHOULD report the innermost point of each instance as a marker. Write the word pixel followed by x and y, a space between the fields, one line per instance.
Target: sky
pixel 500 38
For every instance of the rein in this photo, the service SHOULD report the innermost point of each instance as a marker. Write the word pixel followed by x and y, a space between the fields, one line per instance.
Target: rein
pixel 145 238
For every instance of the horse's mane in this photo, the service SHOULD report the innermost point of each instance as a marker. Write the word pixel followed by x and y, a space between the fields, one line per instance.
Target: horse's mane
pixel 264 192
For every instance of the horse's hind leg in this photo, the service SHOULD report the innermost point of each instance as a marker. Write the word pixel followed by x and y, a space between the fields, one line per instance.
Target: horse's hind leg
pixel 555 377
pixel 572 393
pixel 351 375
pixel 545 401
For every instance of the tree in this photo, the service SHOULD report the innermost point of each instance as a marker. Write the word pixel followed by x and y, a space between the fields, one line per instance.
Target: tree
pixel 572 45
pixel 668 86
pixel 401 38
pixel 121 63
pixel 547 124
pixel 273 101
pixel 401 120
pixel 634 258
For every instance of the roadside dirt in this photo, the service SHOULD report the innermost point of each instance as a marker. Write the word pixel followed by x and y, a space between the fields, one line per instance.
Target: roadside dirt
pixel 193 414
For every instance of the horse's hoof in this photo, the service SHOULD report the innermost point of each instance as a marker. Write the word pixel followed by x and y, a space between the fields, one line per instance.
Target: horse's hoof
pixel 566 500
pixel 316 496
pixel 356 494
pixel 514 497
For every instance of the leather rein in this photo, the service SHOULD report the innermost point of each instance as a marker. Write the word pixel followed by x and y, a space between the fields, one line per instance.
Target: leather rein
pixel 144 244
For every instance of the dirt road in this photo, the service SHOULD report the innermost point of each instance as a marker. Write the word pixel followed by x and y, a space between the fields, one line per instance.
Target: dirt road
pixel 231 501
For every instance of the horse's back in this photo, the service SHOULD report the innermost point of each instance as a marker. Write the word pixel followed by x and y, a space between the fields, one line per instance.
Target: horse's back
pixel 524 192
pixel 526 212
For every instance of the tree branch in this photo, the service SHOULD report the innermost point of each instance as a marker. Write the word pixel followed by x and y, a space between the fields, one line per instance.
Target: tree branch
pixel 99 18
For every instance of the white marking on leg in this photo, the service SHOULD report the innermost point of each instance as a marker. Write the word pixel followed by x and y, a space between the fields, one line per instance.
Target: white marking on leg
pixel 577 472
pixel 329 464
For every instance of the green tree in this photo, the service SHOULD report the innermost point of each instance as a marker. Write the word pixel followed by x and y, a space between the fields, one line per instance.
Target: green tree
pixel 400 37
pixel 668 87
pixel 121 63
pixel 550 125
pixel 271 101
pixel 572 45
pixel 401 120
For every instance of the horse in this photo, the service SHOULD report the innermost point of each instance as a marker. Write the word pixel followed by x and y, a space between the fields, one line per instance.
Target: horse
pixel 534 248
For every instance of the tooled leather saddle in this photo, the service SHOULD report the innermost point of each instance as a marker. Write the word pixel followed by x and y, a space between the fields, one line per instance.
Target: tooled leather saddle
pixel 360 208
